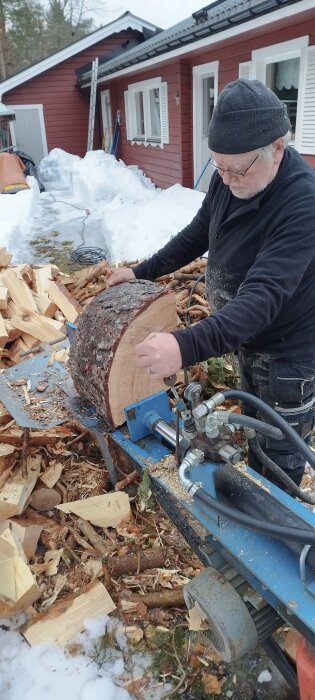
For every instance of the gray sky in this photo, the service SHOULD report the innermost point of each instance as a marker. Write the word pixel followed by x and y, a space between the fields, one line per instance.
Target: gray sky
pixel 163 13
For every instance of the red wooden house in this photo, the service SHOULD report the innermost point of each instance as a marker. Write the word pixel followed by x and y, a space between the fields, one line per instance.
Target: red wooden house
pixel 164 88
pixel 50 107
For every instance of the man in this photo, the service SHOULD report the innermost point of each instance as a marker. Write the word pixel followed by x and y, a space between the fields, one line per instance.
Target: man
pixel 257 223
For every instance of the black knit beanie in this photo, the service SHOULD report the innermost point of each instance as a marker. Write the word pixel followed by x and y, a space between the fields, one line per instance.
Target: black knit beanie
pixel 247 115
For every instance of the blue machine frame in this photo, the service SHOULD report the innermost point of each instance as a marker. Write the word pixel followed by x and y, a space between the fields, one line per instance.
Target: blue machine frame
pixel 266 563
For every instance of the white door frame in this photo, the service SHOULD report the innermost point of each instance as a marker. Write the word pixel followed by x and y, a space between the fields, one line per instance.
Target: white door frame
pixel 40 109
pixel 106 120
pixel 199 73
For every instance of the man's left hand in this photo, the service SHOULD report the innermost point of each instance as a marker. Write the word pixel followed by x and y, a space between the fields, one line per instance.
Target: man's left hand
pixel 160 354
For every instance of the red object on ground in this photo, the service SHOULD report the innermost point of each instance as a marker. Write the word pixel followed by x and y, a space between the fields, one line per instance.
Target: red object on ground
pixel 305 666
pixel 12 177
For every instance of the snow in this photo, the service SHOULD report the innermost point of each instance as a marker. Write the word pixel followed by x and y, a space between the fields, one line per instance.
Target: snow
pixel 99 200
pixel 118 209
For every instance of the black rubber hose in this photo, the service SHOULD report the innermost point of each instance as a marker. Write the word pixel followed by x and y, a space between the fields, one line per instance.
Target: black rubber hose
pixel 258 425
pixel 270 529
pixel 273 415
pixel 280 473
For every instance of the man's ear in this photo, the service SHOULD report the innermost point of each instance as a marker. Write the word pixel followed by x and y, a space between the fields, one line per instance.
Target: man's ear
pixel 278 148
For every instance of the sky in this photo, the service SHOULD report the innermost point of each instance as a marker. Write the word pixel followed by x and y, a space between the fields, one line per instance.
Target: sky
pixel 163 13
pixel 111 205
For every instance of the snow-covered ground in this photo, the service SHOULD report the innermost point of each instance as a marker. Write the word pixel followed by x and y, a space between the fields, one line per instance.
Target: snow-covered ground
pixel 112 206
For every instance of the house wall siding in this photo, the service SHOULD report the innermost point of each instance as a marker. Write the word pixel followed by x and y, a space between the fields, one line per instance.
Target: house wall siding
pixel 66 110
pixel 174 163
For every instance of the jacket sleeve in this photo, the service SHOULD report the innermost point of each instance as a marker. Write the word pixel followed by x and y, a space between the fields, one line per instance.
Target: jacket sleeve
pixel 186 246
pixel 269 284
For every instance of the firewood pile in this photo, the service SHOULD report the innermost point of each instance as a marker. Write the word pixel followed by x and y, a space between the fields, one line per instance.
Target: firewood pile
pixel 56 545
pixel 70 546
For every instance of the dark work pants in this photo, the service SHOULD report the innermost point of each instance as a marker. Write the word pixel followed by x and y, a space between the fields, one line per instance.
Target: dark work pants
pixel 288 386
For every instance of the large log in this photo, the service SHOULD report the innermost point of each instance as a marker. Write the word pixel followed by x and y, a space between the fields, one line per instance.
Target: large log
pixel 102 360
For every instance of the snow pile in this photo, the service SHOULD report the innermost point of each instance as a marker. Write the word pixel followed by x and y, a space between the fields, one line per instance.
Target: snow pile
pixel 113 206
pixel 17 212
pixel 91 672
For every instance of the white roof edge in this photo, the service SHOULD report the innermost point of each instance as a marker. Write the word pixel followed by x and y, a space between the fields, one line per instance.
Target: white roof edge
pixel 280 13
pixel 126 21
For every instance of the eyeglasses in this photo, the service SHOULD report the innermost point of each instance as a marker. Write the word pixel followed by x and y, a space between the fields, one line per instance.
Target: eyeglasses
pixel 234 172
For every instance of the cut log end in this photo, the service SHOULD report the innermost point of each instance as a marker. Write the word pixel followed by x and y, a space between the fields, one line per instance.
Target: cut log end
pixel 102 359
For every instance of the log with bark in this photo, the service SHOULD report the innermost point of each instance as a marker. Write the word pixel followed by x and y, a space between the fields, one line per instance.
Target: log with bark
pixel 102 360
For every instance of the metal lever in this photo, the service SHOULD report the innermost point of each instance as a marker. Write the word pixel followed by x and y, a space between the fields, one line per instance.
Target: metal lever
pixel 170 381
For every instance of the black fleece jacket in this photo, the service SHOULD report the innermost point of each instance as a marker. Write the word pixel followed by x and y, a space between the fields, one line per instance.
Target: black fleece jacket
pixel 261 267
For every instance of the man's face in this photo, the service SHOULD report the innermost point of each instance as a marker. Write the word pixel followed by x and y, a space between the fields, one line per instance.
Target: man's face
pixel 246 174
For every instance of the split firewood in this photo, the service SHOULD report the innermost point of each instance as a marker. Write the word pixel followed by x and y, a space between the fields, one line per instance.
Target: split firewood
pixel 102 361
pixel 26 531
pixel 19 292
pixel 16 491
pixel 64 300
pixel 18 587
pixel 91 273
pixel 7 457
pixel 42 276
pixel 4 296
pixel 108 510
pixel 65 619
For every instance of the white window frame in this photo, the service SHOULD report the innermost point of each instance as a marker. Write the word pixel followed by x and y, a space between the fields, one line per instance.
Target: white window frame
pixel 294 48
pixel 131 117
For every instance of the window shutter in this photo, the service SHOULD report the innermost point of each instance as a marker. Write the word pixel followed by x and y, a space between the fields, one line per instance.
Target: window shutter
pixel 305 136
pixel 245 70
pixel 164 114
pixel 128 115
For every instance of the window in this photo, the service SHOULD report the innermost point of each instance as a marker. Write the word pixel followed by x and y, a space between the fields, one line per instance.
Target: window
pixel 207 103
pixel 147 112
pixel 288 69
pixel 283 78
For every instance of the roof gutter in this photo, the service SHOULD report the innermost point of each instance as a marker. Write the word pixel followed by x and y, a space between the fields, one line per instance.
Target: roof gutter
pixel 213 32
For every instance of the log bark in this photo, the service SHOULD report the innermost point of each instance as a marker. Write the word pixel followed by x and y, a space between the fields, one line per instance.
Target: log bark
pixel 102 360
pixel 136 563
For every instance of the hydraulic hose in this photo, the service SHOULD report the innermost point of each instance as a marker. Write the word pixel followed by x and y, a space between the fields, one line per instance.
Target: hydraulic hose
pixel 280 473
pixel 270 529
pixel 258 425
pixel 274 416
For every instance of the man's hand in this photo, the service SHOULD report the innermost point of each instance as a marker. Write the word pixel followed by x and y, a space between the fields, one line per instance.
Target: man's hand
pixel 122 274
pixel 159 353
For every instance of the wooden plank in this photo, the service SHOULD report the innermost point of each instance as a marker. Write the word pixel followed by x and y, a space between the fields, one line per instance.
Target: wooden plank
pixel 64 620
pixel 69 306
pixel 108 510
pixel 16 491
pixel 17 584
pixel 19 292
pixel 4 296
pixel 5 257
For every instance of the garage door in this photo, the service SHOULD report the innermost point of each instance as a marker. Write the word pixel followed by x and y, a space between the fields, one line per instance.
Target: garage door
pixel 28 131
